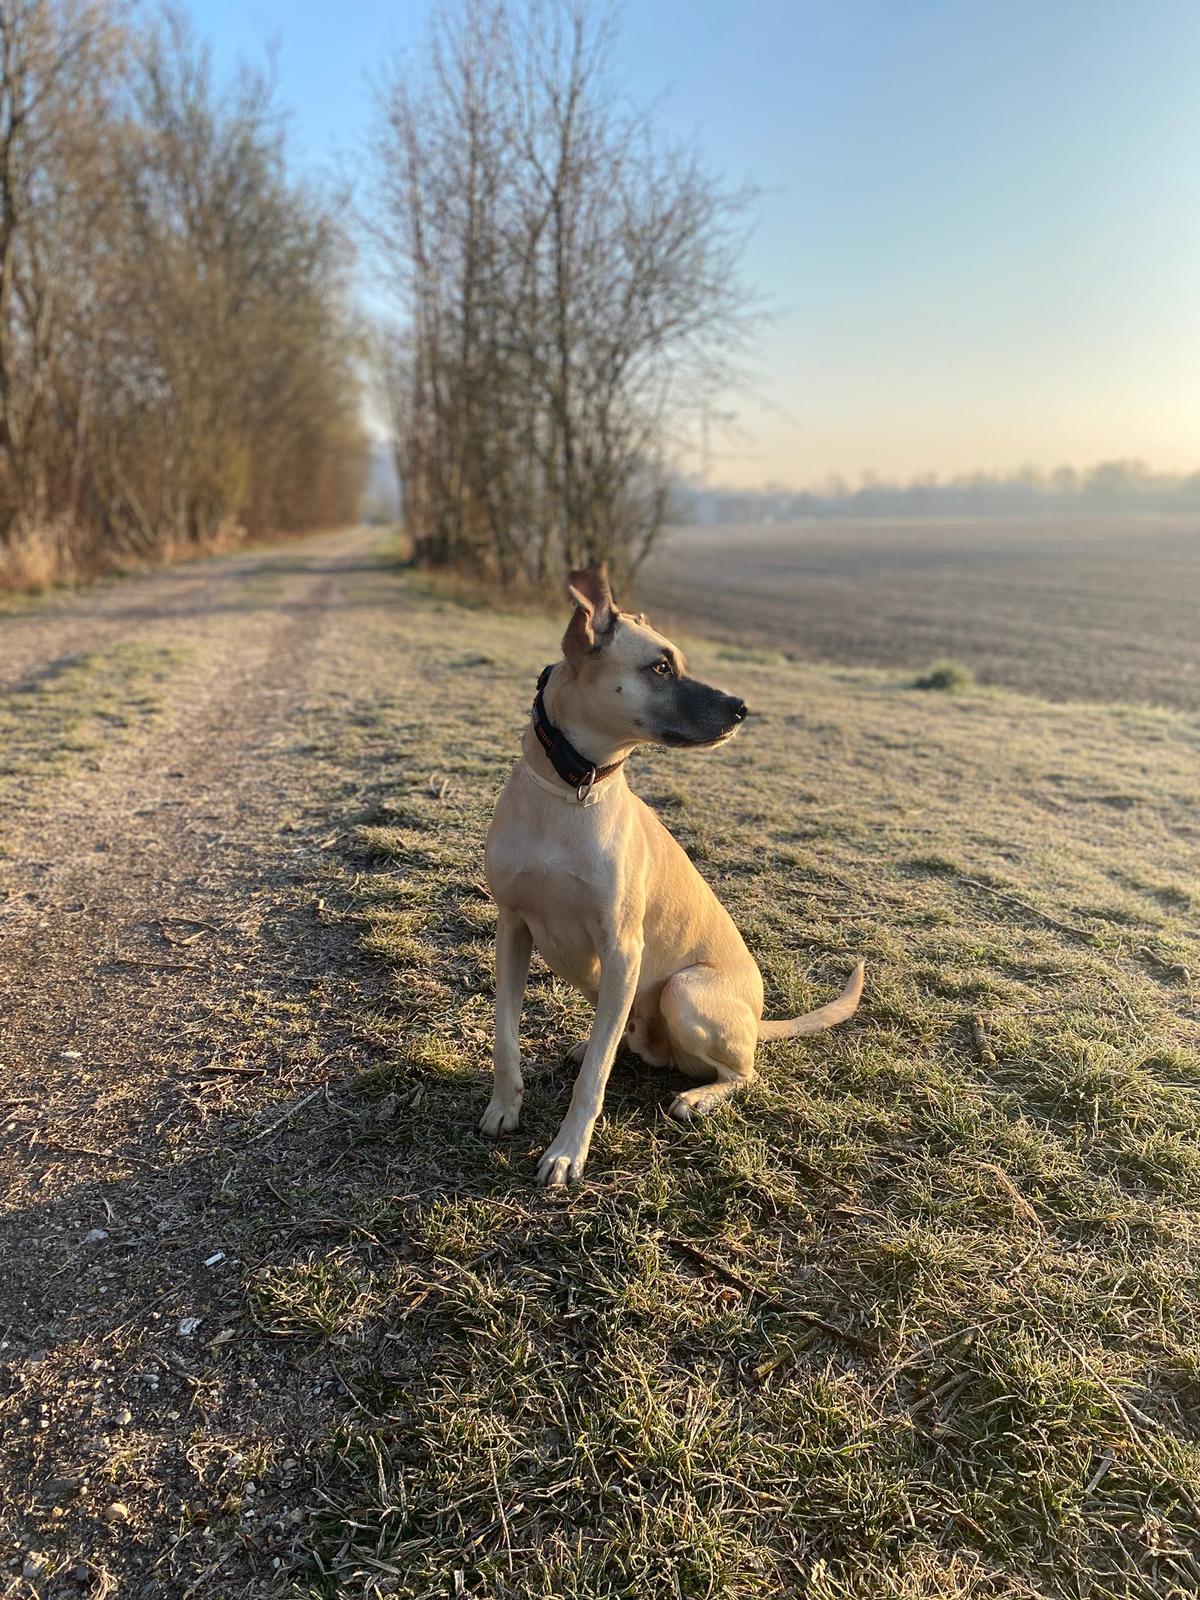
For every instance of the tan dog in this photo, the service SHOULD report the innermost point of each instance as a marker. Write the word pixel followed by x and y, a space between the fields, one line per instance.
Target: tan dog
pixel 584 870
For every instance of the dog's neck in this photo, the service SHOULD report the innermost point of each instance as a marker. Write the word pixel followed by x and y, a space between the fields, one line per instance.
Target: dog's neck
pixel 564 712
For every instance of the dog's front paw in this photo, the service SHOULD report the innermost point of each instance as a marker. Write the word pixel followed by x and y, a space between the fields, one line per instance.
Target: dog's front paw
pixel 563 1163
pixel 576 1053
pixel 500 1117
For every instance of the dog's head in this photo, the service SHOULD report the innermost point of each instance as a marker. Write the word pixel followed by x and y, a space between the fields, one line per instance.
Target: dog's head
pixel 631 683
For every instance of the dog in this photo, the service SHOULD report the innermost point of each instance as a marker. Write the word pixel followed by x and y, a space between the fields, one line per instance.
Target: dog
pixel 582 868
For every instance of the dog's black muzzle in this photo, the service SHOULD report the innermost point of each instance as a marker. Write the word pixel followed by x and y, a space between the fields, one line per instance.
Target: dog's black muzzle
pixel 698 714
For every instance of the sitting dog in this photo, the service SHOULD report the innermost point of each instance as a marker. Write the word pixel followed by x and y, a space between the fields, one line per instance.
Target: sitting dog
pixel 584 870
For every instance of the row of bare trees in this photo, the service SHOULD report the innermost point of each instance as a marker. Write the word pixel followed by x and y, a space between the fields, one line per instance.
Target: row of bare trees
pixel 566 289
pixel 177 353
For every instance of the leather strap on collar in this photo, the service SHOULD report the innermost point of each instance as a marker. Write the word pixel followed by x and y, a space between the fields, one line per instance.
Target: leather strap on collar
pixel 571 767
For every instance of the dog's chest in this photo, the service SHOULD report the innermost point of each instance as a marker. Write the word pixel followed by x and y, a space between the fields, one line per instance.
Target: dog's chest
pixel 544 854
pixel 563 893
pixel 535 874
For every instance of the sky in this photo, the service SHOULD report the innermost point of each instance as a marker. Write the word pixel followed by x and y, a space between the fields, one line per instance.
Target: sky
pixel 979 231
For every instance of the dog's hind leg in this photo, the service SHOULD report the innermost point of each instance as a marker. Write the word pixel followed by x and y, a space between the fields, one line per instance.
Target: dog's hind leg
pixel 713 1031
pixel 645 1036
pixel 514 945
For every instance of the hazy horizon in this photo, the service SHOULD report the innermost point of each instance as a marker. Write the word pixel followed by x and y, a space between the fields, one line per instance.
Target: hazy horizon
pixel 978 232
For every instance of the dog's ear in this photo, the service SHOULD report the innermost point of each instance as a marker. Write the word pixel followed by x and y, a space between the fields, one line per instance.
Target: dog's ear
pixel 595 612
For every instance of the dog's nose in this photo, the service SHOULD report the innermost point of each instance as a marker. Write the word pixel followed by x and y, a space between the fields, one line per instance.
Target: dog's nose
pixel 739 709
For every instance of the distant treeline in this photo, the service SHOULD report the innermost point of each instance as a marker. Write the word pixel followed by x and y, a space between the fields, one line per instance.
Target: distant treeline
pixel 177 352
pixel 1111 486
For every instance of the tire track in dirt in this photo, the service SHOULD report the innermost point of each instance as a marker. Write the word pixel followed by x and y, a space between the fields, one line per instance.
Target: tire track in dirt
pixel 162 963
pixel 139 854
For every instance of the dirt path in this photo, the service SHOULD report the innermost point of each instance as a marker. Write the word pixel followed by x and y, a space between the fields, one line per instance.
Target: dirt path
pixel 166 960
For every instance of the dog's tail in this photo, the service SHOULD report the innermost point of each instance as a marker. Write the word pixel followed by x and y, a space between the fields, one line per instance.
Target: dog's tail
pixel 828 1016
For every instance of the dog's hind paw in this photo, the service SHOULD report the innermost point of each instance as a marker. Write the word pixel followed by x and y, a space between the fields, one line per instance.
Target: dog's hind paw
pixel 693 1104
pixel 576 1053
pixel 681 1110
pixel 499 1118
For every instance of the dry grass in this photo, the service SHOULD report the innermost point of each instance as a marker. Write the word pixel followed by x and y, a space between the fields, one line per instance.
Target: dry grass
pixel 915 1319
pixel 986 1186
pixel 63 554
pixel 34 560
pixel 61 716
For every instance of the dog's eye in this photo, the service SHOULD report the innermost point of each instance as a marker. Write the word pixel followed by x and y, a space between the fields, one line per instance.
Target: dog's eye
pixel 663 668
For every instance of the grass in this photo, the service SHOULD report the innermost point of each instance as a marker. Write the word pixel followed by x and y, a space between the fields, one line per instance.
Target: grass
pixel 917 1317
pixel 951 677
pixel 61 718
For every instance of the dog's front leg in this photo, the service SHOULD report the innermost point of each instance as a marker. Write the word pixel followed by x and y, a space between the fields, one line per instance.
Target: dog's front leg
pixel 514 944
pixel 619 969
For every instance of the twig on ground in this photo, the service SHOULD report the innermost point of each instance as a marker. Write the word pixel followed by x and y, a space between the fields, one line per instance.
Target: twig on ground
pixel 1124 1003
pixel 288 1115
pixel 158 966
pixel 503 1516
pixel 736 1281
pixel 210 1571
pixel 1072 928
pixel 201 929
pixel 980 1039
pixel 1161 962
pixel 1020 1205
pixel 101 1155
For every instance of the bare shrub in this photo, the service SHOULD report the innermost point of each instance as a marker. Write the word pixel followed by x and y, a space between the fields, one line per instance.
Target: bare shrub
pixel 949 677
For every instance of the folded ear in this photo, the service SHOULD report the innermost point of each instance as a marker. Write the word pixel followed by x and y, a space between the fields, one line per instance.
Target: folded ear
pixel 595 612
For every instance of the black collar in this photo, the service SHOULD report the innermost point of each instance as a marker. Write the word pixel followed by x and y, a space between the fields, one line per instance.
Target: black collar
pixel 571 767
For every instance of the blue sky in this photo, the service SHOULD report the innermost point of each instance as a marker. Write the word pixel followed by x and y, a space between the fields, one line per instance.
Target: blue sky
pixel 980 227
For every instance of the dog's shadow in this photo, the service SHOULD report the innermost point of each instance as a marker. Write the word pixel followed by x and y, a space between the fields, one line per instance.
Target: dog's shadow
pixel 321 1260
pixel 429 1124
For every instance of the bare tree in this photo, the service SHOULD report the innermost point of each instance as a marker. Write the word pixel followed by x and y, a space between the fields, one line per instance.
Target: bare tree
pixel 234 344
pixel 566 282
pixel 178 353
pixel 57 64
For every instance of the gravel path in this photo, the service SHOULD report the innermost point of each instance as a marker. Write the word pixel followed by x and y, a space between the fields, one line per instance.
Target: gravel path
pixel 167 964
